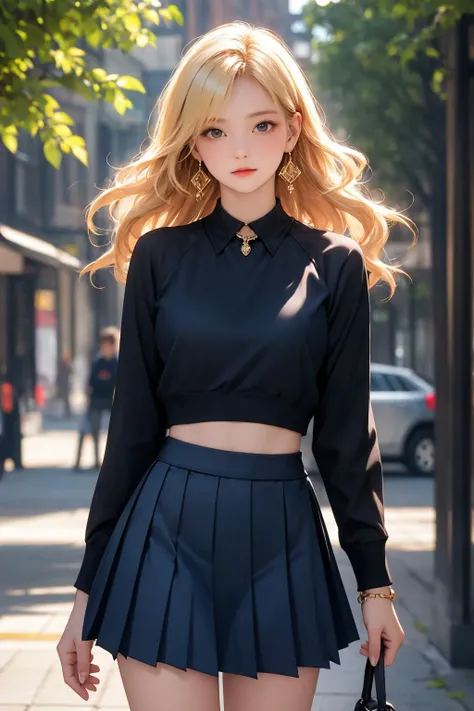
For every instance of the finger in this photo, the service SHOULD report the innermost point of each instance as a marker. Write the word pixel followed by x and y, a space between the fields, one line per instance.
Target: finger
pixel 89 686
pixel 69 676
pixel 93 680
pixel 391 650
pixel 83 650
pixel 94 668
pixel 374 645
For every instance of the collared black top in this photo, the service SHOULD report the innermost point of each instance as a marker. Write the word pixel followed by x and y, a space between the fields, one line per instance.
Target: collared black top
pixel 275 337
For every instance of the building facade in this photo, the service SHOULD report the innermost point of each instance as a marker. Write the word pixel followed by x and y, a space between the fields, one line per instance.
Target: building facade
pixel 203 15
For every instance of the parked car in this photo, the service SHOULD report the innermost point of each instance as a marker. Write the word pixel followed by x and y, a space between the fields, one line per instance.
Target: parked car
pixel 404 409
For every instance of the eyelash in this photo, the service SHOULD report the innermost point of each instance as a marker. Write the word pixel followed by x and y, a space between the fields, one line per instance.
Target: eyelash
pixel 262 123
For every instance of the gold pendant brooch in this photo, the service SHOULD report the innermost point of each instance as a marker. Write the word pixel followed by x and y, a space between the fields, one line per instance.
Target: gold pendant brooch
pixel 246 248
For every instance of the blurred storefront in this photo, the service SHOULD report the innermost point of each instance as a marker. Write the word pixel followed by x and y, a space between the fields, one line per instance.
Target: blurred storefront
pixel 37 313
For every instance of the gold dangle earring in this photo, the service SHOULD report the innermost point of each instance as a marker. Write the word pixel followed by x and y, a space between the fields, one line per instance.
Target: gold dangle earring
pixel 200 180
pixel 290 172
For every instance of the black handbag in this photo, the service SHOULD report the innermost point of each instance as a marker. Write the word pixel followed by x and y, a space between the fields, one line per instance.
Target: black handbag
pixel 367 702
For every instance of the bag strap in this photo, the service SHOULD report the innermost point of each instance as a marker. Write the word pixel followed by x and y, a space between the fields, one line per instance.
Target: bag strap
pixel 379 673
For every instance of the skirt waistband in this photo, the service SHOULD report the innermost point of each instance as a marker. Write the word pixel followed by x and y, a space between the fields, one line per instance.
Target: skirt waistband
pixel 234 465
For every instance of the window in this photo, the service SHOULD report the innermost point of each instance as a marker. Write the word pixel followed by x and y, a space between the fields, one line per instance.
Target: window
pixel 394 382
pixel 378 382
pixel 400 382
pixel 72 177
pixel 27 177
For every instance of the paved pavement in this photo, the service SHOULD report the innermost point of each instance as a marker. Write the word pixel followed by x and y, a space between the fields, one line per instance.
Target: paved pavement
pixel 42 516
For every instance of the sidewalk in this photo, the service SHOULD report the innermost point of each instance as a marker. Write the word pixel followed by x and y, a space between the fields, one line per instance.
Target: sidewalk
pixel 42 518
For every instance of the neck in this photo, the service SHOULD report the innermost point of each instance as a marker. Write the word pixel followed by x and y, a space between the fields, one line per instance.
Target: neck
pixel 249 206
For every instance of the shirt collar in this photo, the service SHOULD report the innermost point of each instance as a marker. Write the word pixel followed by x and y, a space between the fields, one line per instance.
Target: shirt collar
pixel 221 227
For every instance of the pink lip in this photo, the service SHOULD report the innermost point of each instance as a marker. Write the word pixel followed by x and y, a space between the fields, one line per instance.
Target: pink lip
pixel 244 171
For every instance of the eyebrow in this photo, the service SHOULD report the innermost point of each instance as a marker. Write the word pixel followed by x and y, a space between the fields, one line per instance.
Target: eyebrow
pixel 252 115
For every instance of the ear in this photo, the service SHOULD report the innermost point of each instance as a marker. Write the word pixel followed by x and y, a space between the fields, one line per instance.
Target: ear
pixel 294 130
pixel 195 153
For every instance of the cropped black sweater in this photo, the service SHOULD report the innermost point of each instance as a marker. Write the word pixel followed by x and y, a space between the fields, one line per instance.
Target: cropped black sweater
pixel 278 336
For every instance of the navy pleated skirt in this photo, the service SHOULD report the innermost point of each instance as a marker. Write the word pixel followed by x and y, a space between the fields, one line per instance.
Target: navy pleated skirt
pixel 221 562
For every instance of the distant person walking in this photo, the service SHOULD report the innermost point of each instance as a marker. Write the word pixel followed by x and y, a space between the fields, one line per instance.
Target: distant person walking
pixel 63 382
pixel 100 390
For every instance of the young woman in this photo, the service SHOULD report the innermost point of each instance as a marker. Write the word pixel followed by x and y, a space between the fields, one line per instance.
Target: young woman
pixel 245 314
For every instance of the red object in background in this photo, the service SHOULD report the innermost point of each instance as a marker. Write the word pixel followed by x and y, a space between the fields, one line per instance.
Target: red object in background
pixel 430 400
pixel 39 396
pixel 7 397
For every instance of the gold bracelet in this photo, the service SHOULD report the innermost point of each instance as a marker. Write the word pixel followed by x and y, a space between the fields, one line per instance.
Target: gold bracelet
pixel 363 596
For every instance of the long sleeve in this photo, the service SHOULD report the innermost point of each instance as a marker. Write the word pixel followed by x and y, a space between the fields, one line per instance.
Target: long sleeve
pixel 137 424
pixel 345 444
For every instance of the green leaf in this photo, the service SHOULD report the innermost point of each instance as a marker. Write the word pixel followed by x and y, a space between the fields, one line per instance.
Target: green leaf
pixel 166 15
pixel 120 103
pixel 142 40
pixel 175 14
pixel 399 10
pixel 76 141
pixel 132 23
pixel 76 52
pixel 53 153
pixel 432 52
pixel 13 45
pixel 152 16
pixel 94 38
pixel 99 74
pixel 81 154
pixel 61 130
pixel 130 84
pixel 63 117
pixel 51 102
pixel 10 141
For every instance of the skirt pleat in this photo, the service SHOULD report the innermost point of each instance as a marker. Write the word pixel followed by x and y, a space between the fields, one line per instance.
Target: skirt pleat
pixel 98 602
pixel 221 562
pixel 233 589
pixel 310 617
pixel 270 581
pixel 149 609
pixel 201 502
pixel 129 562
pixel 340 612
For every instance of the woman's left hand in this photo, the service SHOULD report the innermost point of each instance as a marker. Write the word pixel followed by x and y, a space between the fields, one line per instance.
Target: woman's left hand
pixel 381 620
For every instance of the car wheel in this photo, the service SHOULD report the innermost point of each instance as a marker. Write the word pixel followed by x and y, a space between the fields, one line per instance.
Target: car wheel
pixel 420 452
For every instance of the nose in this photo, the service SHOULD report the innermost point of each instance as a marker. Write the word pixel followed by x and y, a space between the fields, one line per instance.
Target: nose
pixel 240 149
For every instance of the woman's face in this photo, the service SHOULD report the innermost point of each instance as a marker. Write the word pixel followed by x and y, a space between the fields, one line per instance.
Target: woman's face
pixel 244 147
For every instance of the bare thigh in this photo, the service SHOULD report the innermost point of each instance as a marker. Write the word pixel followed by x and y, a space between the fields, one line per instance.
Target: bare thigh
pixel 164 688
pixel 271 692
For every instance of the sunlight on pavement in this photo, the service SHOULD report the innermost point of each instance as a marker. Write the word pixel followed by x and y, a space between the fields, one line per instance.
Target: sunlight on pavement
pixel 410 528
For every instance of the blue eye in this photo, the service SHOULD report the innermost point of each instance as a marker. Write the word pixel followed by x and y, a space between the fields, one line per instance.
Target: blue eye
pixel 211 133
pixel 267 126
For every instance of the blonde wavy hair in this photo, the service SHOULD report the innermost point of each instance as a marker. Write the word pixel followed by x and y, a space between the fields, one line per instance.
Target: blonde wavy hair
pixel 154 189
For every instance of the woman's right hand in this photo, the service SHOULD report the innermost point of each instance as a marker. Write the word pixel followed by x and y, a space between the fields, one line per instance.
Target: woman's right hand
pixel 75 654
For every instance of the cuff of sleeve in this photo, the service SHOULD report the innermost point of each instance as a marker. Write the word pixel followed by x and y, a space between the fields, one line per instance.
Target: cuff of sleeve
pixel 90 563
pixel 369 563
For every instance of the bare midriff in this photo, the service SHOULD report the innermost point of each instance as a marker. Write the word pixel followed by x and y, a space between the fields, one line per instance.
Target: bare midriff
pixel 251 437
